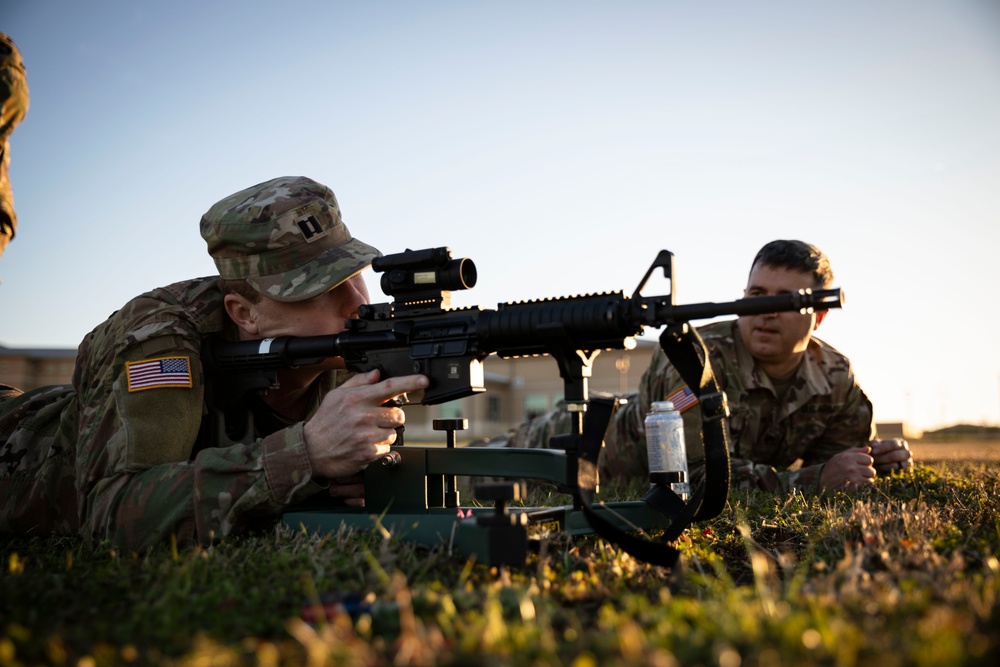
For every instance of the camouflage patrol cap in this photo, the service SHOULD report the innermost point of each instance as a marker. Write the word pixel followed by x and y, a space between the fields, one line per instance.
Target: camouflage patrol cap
pixel 285 237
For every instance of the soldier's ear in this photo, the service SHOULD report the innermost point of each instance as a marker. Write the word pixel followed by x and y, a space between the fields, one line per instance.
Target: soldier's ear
pixel 242 313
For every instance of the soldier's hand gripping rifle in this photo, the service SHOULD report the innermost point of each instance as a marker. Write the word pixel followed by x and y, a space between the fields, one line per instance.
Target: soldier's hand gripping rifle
pixel 419 333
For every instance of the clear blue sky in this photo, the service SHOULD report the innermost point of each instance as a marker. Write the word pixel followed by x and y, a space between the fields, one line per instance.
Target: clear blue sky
pixel 558 144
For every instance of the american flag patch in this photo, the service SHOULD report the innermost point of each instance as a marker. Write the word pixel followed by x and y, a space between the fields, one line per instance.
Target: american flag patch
pixel 154 373
pixel 682 399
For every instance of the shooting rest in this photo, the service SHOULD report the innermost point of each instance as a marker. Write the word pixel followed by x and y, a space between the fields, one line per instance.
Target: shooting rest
pixel 412 494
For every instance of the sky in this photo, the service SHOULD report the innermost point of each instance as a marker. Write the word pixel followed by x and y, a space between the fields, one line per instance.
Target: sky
pixel 558 144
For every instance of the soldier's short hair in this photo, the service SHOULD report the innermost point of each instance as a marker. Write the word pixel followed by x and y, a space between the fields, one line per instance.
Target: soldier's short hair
pixel 239 286
pixel 797 255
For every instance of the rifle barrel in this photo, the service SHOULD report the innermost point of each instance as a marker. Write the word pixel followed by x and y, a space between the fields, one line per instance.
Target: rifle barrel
pixel 805 300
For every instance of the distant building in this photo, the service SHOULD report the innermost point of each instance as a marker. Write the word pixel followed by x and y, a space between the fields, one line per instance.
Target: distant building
pixel 29 368
pixel 888 430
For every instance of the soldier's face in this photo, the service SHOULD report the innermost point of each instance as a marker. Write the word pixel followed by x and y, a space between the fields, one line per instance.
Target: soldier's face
pixel 777 338
pixel 321 315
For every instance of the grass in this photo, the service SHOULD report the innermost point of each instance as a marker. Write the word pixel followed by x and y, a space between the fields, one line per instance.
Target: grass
pixel 903 573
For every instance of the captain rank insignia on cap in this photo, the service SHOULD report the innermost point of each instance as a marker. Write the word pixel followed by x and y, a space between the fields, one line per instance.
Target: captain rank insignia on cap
pixel 157 373
pixel 311 229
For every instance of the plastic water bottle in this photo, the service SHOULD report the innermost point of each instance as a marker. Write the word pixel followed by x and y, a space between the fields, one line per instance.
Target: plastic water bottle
pixel 665 446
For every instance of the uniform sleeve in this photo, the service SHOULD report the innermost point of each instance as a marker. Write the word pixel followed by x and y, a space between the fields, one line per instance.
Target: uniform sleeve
pixel 849 426
pixel 141 411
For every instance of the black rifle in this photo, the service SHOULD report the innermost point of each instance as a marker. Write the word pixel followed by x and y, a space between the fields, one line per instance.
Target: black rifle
pixel 419 333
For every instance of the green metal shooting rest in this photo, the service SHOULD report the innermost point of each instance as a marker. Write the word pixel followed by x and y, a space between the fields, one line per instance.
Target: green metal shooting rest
pixel 412 493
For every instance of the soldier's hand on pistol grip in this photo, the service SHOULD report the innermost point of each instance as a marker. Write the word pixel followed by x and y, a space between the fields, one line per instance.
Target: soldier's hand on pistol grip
pixel 353 427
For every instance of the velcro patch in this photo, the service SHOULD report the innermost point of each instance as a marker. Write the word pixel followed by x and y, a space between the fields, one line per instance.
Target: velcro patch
pixel 683 399
pixel 157 373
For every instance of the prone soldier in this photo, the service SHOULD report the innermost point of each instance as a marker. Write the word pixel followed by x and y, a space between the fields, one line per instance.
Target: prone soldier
pixel 126 452
pixel 799 419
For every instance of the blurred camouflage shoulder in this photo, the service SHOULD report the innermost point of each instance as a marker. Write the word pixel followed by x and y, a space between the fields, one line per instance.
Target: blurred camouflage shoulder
pixel 14 102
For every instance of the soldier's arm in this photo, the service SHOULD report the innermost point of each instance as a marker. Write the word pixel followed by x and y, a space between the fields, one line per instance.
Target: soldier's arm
pixel 137 484
pixel 849 427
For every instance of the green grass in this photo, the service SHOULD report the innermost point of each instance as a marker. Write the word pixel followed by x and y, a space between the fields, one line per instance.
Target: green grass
pixel 904 573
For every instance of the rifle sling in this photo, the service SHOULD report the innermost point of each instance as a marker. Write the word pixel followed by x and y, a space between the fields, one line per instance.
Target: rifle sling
pixel 687 352
pixel 681 344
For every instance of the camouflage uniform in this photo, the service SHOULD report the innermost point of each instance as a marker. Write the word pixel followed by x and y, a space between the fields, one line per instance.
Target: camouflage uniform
pixel 13 108
pixel 127 451
pixel 823 412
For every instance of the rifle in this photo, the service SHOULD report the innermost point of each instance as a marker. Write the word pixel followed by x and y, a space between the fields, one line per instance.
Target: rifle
pixel 413 488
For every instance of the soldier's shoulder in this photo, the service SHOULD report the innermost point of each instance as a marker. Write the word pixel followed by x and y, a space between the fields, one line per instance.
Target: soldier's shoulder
pixel 833 365
pixel 190 307
pixel 188 295
pixel 10 55
pixel 828 355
